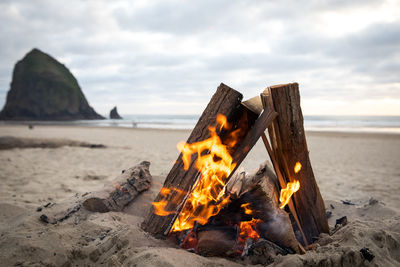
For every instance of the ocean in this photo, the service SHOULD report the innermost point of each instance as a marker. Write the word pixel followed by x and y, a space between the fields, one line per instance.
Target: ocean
pixel 371 124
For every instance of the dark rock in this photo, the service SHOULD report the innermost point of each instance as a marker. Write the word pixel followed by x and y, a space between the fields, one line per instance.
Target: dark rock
pixel 44 89
pixel 347 202
pixel 44 218
pixel 114 114
pixel 342 221
pixel 97 146
pixel 367 254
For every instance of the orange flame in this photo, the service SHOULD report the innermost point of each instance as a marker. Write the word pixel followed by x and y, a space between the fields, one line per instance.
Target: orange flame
pixel 297 167
pixel 247 209
pixel 290 189
pixel 160 207
pixel 215 164
pixel 248 229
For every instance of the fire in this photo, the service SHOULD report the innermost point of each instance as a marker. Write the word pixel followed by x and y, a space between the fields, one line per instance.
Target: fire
pixel 159 207
pixel 297 167
pixel 247 209
pixel 248 230
pixel 290 189
pixel 215 164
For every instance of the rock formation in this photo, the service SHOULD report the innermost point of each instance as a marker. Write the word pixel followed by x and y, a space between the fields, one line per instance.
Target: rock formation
pixel 44 89
pixel 114 114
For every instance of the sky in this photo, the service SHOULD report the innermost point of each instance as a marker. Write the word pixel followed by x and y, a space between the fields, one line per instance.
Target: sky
pixel 169 56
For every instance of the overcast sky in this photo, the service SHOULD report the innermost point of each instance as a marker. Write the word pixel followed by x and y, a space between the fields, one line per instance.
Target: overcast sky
pixel 169 56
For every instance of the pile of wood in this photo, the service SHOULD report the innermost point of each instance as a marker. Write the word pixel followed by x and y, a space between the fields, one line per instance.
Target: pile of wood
pixel 278 112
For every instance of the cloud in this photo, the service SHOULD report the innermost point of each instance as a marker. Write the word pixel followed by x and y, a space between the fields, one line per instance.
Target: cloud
pixel 158 56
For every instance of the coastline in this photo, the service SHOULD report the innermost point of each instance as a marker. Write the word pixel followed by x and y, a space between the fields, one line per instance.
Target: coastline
pixel 323 132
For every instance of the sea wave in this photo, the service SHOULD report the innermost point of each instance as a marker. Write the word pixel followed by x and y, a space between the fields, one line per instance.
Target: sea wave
pixel 372 124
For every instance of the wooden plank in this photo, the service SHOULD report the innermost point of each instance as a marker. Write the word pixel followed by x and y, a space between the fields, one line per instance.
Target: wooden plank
pixel 289 146
pixel 225 101
pixel 282 183
pixel 252 137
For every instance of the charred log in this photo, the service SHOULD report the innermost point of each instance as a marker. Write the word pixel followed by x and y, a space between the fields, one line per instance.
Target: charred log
pixel 217 240
pixel 262 196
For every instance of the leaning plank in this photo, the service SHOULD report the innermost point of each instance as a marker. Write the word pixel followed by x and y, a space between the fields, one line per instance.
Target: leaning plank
pixel 289 146
pixel 282 182
pixel 225 101
pixel 125 188
pixel 262 123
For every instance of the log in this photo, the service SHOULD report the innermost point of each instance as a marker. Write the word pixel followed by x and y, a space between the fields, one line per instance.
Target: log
pixel 11 142
pixel 225 101
pixel 289 146
pixel 122 191
pixel 217 241
pixel 259 191
pixel 114 197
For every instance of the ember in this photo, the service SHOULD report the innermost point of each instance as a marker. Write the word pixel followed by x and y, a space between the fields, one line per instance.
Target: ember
pixel 248 230
pixel 246 208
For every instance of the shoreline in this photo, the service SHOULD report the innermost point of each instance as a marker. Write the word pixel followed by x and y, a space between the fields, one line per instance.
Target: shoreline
pixel 328 133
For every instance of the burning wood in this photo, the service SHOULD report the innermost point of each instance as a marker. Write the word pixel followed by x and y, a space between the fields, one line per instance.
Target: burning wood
pixel 259 193
pixel 289 146
pixel 203 204
pixel 180 182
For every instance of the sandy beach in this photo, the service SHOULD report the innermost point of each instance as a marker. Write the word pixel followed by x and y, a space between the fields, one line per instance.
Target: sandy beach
pixel 359 168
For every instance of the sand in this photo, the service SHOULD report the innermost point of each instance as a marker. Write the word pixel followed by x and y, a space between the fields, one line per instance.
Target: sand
pixel 360 168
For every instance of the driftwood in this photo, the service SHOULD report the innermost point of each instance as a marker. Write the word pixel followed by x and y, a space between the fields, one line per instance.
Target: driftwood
pixel 114 197
pixel 125 188
pixel 288 147
pixel 10 142
pixel 225 101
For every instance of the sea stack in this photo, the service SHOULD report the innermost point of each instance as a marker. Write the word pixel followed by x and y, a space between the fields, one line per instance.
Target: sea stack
pixel 44 89
pixel 114 114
